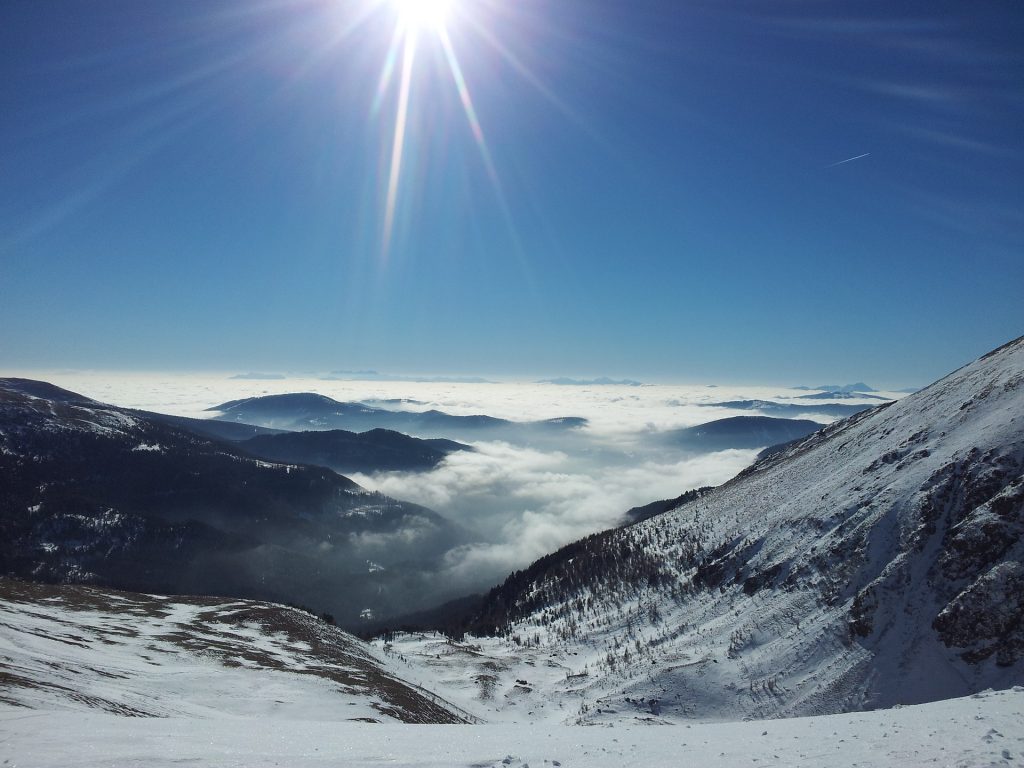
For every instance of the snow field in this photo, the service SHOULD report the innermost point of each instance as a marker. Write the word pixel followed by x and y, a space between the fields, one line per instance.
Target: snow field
pixel 986 729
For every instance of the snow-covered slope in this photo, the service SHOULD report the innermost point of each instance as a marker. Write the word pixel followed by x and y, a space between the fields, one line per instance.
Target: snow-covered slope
pixel 82 649
pixel 877 562
pixel 983 730
pixel 92 677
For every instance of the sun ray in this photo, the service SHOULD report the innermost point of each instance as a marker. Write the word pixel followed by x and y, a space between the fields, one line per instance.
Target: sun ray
pixel 467 103
pixel 387 71
pixel 527 74
pixel 398 143
pixel 481 142
pixel 431 17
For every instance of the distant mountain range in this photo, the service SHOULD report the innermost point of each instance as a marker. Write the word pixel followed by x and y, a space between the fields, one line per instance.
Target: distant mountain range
pixel 303 411
pixel 105 495
pixel 771 408
pixel 840 396
pixel 860 386
pixel 256 376
pixel 739 432
pixel 378 450
pixel 602 381
pixel 377 376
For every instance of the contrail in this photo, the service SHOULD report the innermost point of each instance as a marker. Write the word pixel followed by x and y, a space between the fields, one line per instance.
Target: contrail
pixel 848 160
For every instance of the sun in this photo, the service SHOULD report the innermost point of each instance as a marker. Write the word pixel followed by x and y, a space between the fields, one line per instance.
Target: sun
pixel 431 18
pixel 416 15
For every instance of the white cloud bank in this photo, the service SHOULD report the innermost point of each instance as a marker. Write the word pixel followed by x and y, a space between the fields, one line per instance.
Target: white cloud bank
pixel 523 503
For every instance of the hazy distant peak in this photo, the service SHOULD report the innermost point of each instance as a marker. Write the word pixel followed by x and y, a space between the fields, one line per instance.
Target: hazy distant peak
pixel 253 376
pixel 377 376
pixel 860 386
pixel 791 409
pixel 601 381
pixel 290 400
pixel 839 395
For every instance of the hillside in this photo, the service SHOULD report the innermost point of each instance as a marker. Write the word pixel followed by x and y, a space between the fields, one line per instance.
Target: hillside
pixel 877 562
pixel 378 450
pixel 97 494
pixel 83 649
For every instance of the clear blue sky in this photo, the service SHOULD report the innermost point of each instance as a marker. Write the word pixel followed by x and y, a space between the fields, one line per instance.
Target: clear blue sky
pixel 203 185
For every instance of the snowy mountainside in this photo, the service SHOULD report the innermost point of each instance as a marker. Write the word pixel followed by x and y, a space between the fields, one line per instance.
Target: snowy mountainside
pixel 877 562
pixel 83 649
pixel 92 678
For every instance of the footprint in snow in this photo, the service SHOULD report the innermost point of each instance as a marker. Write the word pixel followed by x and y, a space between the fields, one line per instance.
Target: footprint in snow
pixel 511 761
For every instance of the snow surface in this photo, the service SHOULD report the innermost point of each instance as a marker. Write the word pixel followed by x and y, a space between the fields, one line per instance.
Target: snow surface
pixel 983 730
pixel 111 679
pixel 83 649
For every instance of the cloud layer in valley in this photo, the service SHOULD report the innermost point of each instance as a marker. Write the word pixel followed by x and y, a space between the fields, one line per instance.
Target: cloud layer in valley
pixel 523 503
pixel 516 500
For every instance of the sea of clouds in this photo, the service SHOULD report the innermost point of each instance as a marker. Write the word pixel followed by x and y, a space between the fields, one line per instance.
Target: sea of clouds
pixel 518 500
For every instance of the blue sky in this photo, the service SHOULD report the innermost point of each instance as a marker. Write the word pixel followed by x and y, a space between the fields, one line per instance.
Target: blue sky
pixel 203 185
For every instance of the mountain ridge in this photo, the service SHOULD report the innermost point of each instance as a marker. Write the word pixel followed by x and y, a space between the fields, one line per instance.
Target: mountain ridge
pixel 376 450
pixel 879 561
